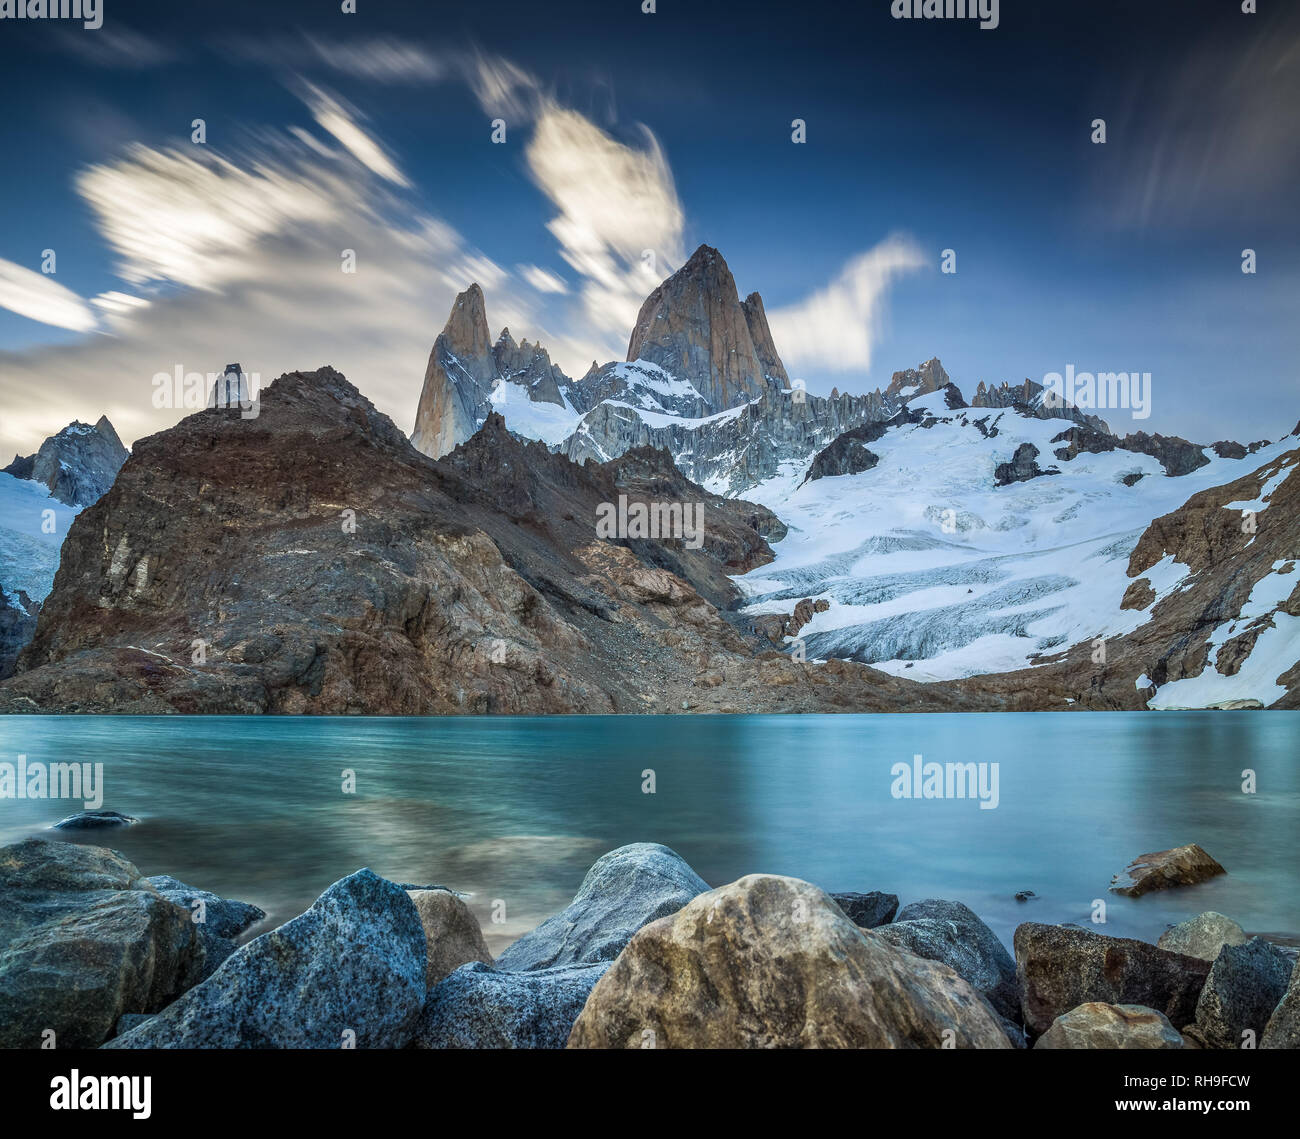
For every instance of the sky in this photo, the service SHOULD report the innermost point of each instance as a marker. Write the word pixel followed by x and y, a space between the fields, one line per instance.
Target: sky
pixel 629 139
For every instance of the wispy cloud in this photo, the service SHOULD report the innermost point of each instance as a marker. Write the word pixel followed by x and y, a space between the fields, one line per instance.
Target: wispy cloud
pixel 40 297
pixel 836 328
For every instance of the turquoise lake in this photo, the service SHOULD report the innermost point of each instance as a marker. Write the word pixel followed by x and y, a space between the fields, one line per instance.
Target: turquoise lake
pixel 513 810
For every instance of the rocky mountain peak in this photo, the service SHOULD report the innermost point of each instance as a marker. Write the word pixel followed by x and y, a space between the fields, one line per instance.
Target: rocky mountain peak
pixel 694 327
pixel 466 331
pixel 913 382
pixel 77 465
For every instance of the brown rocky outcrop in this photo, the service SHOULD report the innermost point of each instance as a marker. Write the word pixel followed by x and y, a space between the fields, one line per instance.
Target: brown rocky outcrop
pixel 311 560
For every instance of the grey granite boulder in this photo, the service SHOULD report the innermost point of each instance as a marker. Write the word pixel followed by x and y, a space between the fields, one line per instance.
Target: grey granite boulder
pixel 84 938
pixel 624 890
pixel 1059 968
pixel 95 820
pixel 481 1007
pixel 952 933
pixel 1245 985
pixel 1202 936
pixel 348 971
pixel 867 911
pixel 1099 1025
pixel 1283 1029
pixel 218 920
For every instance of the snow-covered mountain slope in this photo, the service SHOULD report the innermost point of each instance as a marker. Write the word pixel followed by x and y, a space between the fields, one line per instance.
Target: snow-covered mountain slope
pixel 934 571
pixel 29 549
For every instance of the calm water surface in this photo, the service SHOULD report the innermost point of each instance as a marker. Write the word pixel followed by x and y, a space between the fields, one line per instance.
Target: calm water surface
pixel 517 808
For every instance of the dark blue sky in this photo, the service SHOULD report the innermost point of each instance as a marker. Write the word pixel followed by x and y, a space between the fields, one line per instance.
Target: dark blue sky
pixel 1125 256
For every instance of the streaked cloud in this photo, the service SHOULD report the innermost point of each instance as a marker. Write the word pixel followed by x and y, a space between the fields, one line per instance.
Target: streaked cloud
pixel 541 280
pixel 40 297
pixel 341 122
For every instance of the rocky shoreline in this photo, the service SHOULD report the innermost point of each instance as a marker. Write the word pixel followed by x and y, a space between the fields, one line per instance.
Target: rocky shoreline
pixel 647 955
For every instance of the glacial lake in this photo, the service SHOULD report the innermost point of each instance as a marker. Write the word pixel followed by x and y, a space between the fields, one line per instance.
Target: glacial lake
pixel 514 810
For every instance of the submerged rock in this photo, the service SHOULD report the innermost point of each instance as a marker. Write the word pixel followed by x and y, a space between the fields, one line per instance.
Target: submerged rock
pixel 622 891
pixel 451 932
pixel 1245 985
pixel 348 971
pixel 480 1007
pixel 1181 866
pixel 1059 968
pixel 93 820
pixel 867 910
pixel 1202 936
pixel 84 938
pixel 1099 1025
pixel 951 933
pixel 771 962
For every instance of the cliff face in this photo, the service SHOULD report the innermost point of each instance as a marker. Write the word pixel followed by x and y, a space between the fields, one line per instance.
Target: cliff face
pixel 458 379
pixel 311 560
pixel 694 327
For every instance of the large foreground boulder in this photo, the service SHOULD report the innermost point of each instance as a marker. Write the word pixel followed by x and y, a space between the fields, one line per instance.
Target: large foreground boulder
pixel 1059 968
pixel 623 890
pixel 868 911
pixel 952 933
pixel 481 1007
pixel 348 971
pixel 1245 985
pixel 451 933
pixel 1283 1029
pixel 1181 866
pixel 218 920
pixel 84 938
pixel 1098 1025
pixel 1202 936
pixel 771 962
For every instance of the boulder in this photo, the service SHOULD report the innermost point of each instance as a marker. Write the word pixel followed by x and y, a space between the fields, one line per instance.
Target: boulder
pixel 1181 866
pixel 480 1007
pixel 1059 968
pixel 952 933
pixel 1099 1025
pixel 1283 1028
pixel 451 932
pixel 218 920
pixel 84 938
pixel 1245 985
pixel 622 891
pixel 772 962
pixel 868 910
pixel 353 963
pixel 1202 936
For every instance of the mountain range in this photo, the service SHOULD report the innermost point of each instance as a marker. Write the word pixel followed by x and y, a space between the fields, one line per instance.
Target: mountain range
pixel 904 549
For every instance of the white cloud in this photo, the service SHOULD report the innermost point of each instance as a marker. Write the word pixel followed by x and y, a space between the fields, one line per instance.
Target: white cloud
pixel 341 122
pixel 616 204
pixel 39 297
pixel 541 280
pixel 836 327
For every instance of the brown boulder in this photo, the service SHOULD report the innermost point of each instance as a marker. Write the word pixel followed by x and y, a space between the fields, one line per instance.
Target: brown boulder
pixel 773 962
